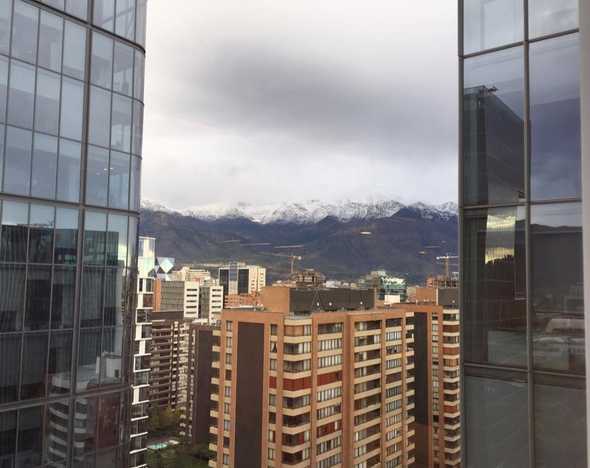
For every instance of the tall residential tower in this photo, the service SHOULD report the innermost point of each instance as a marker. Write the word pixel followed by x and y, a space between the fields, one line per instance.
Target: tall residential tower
pixel 525 77
pixel 71 110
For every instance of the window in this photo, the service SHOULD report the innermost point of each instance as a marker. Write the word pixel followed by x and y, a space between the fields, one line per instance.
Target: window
pixel 5 21
pixel 492 23
pixel 493 128
pixel 50 41
pixel 24 31
pixel 555 118
pixel 104 14
pixel 552 16
pixel 99 119
pixel 74 50
pixel 21 94
pixel 101 71
pixel 228 326
pixel 494 304
pixel 72 105
pixel 125 19
pixel 68 172
pixel 121 123
pixel 44 177
pixel 47 103
pixel 123 69
pixel 17 165
pixel 119 180
pixel 97 176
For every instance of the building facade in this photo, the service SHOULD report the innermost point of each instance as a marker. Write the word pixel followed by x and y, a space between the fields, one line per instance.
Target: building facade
pixel 210 303
pixel 71 111
pixel 313 390
pixel 523 322
pixel 237 278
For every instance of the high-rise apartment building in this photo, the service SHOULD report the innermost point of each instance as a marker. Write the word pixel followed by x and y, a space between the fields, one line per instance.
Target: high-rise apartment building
pixel 71 111
pixel 525 77
pixel 437 367
pixel 210 303
pixel 295 385
pixel 177 295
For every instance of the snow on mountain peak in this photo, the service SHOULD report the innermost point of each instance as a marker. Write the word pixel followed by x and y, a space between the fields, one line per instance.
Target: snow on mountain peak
pixel 308 212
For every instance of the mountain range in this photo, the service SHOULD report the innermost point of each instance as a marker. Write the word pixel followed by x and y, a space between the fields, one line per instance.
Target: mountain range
pixel 343 240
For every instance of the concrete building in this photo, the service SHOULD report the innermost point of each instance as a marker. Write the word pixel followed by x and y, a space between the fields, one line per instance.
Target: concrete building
pixel 171 295
pixel 525 243
pixel 210 303
pixel 239 279
pixel 69 204
pixel 199 402
pixel 390 289
pixel 295 385
pixel 437 366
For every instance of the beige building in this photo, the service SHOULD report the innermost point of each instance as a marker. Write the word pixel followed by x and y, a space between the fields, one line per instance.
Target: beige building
pixel 317 378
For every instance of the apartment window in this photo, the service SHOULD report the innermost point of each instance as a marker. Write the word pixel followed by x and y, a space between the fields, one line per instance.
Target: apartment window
pixel 271 435
pixel 226 408
pixel 228 359
pixel 226 459
pixel 329 394
pixel 226 425
pixel 327 345
pixel 271 454
pixel 227 391
pixel 228 342
pixel 330 361
pixel 272 399
pixel 228 326
pixel 329 328
pixel 273 330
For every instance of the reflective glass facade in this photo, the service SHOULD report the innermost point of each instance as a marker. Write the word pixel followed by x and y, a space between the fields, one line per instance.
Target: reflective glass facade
pixel 523 322
pixel 71 112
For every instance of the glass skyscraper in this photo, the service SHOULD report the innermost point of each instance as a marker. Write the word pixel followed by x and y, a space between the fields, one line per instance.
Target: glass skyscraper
pixel 523 322
pixel 71 112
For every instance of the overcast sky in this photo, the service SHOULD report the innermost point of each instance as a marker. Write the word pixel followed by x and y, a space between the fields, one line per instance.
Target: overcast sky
pixel 261 101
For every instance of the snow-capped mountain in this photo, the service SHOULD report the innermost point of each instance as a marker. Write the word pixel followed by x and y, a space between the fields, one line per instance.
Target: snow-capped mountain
pixel 309 212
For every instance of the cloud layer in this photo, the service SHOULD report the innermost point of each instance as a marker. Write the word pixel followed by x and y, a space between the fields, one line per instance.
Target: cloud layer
pixel 259 101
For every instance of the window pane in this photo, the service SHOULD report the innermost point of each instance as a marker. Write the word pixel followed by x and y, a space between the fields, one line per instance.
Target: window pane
pixel 132 244
pixel 66 236
pixel 104 14
pixel 17 170
pixel 97 176
pixel 30 437
pixel 109 419
pixel 102 61
pixel 121 124
pixel 41 234
pixel 78 8
pixel 138 75
pixel 141 22
pixel 68 173
pixel 560 421
pixel 137 128
pixel 123 79
pixel 44 179
pixel 2 134
pixel 119 180
pixel 494 290
pixel 62 308
pixel 60 361
pixel 15 220
pixel 552 16
pixel 493 128
pixel 5 21
pixel 59 4
pixel 94 238
pixel 114 293
pixel 74 50
pixel 38 297
pixel 555 119
pixel 117 241
pixel 24 32
pixel 34 362
pixel 112 344
pixel 3 87
pixel 492 23
pixel 496 419
pixel 100 114
pixel 125 19
pixel 135 189
pixel 72 105
pixel 47 104
pixel 92 297
pixel 50 41
pixel 21 94
pixel 88 363
pixel 9 348
pixel 7 425
pixel 12 297
pixel 557 287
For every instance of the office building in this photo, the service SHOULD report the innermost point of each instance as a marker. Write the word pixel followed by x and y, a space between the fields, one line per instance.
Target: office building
pixel 525 76
pixel 295 385
pixel 239 279
pixel 177 295
pixel 210 303
pixel 437 367
pixel 390 289
pixel 71 111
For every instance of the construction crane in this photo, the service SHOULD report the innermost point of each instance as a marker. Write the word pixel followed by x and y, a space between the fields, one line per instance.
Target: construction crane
pixel 447 259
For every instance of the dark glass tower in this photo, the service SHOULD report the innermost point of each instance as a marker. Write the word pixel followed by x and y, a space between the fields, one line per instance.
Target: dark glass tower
pixel 523 322
pixel 71 113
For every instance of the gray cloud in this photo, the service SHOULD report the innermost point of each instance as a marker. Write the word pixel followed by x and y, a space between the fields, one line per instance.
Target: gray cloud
pixel 262 101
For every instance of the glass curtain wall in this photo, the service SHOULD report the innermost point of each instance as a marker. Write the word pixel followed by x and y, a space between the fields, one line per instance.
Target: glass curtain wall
pixel 71 117
pixel 521 227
